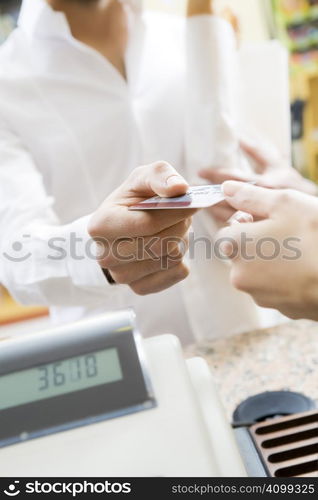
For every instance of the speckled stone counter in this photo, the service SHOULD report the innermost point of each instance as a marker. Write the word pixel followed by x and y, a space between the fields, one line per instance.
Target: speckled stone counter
pixel 280 358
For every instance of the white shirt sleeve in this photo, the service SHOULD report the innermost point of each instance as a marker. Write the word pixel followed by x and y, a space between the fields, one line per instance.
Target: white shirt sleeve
pixel 212 88
pixel 42 261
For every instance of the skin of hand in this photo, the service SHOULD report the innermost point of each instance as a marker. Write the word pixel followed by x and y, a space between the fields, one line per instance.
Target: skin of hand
pixel 143 249
pixel 275 259
pixel 267 174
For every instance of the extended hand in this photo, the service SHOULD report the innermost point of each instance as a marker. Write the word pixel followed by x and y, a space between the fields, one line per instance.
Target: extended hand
pixel 267 174
pixel 144 250
pixel 275 259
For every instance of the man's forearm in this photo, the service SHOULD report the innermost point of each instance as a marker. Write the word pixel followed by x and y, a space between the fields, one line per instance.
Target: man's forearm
pixel 199 7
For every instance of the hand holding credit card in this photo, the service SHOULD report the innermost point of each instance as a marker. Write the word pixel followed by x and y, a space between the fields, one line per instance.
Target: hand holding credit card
pixel 197 197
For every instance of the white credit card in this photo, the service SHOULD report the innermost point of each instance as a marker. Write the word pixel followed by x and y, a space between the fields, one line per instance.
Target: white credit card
pixel 196 197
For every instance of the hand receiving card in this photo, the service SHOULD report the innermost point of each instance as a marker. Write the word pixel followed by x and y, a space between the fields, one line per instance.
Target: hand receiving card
pixel 196 197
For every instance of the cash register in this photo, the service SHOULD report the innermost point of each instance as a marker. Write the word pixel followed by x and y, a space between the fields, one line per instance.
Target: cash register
pixel 94 399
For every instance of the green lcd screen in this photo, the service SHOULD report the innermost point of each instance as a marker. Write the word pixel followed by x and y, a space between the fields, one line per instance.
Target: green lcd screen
pixel 63 377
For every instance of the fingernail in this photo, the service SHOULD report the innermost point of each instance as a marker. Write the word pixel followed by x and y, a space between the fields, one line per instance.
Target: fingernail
pixel 175 180
pixel 230 188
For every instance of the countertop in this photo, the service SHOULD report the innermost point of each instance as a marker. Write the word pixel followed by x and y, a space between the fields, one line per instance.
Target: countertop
pixel 13 313
pixel 280 358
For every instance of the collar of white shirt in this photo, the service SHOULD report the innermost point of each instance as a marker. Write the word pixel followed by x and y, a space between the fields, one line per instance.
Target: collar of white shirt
pixel 37 19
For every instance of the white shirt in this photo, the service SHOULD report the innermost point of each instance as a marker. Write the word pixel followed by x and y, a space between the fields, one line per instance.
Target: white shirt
pixel 72 129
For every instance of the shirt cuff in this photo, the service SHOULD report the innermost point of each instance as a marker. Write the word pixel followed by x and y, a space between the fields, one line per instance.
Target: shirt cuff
pixel 211 28
pixel 83 267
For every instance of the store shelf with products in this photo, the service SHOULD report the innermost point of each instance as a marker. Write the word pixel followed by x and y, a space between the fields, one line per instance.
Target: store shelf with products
pixel 297 27
pixel 9 10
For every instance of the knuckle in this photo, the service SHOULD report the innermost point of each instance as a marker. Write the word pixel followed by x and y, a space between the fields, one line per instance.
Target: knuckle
pixel 170 246
pixel 161 167
pixel 293 314
pixel 282 198
pixel 135 175
pixel 173 261
pixel 171 249
pixel 94 227
pixel 186 224
pixel 244 198
pixel 185 272
pixel 261 302
pixel 154 248
pixel 176 256
pixel 107 261
pixel 238 279
pixel 102 219
pixel 184 245
pixel 121 277
pixel 190 221
pixel 178 250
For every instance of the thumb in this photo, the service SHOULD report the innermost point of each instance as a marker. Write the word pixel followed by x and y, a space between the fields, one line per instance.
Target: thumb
pixel 255 200
pixel 157 179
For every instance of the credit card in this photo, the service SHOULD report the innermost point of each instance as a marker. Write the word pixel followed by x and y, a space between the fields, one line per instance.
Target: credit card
pixel 197 197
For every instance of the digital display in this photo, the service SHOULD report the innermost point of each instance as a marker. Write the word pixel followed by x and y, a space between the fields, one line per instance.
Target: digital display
pixel 62 377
